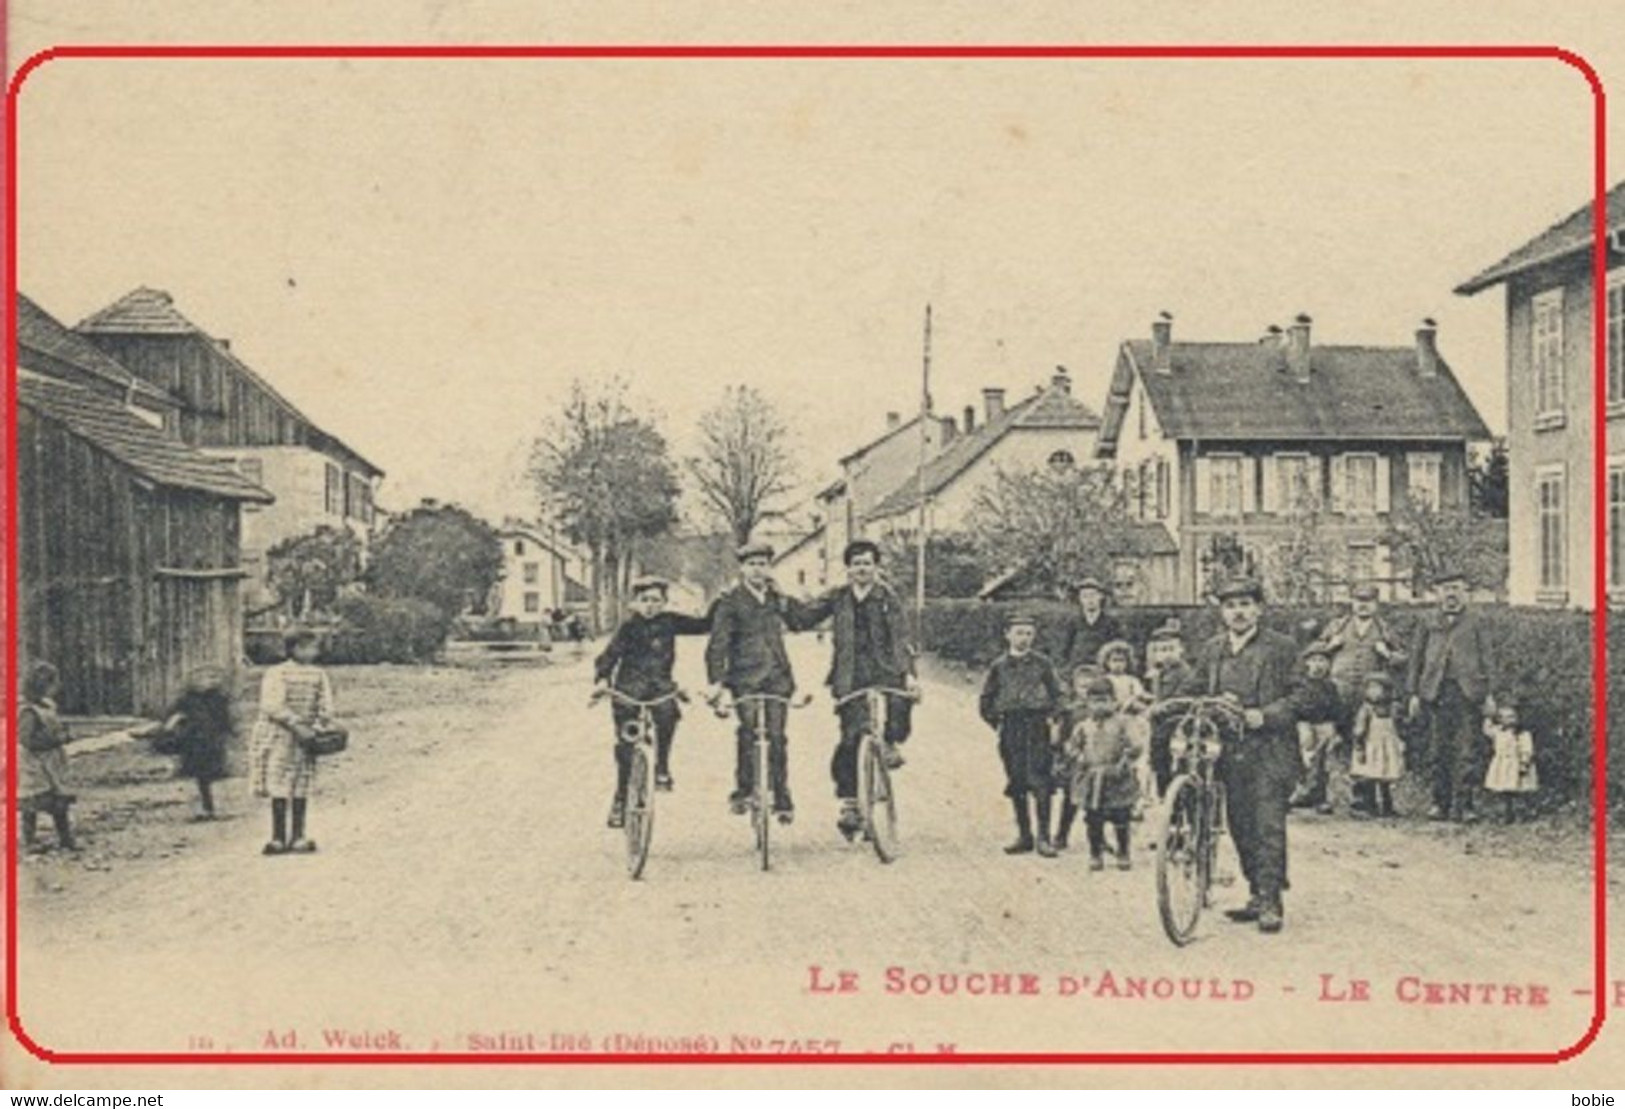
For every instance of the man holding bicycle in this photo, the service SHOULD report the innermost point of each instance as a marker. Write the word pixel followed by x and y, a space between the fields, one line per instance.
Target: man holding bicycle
pixel 1253 667
pixel 746 657
pixel 872 649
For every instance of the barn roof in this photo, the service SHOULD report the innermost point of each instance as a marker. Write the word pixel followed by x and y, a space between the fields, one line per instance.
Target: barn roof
pixel 41 333
pixel 145 311
pixel 145 449
pixel 1051 408
pixel 1567 236
pixel 1245 391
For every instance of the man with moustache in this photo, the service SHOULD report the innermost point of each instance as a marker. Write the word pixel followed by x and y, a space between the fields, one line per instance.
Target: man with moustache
pixel 1452 670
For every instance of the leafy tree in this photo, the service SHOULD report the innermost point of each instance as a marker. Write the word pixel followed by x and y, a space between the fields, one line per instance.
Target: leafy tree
pixel 1295 570
pixel 1487 481
pixel 953 567
pixel 606 476
pixel 438 553
pixel 309 571
pixel 744 469
pixel 1055 523
pixel 1424 541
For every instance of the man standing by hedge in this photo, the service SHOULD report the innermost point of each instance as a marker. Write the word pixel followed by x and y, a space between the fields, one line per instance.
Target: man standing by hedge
pixel 1254 667
pixel 1452 669
pixel 1360 643
pixel 1089 629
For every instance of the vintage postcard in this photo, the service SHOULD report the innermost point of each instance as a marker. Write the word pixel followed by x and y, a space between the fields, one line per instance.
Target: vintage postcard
pixel 540 561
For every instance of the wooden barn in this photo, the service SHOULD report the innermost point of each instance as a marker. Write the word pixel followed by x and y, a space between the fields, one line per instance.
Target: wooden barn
pixel 128 545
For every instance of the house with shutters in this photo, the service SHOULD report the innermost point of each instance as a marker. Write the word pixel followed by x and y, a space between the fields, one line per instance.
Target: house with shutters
pixel 540 575
pixel 1552 429
pixel 1231 445
pixel 226 409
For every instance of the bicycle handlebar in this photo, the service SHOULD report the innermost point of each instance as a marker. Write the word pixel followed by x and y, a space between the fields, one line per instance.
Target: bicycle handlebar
pixel 789 702
pixel 633 702
pixel 856 693
pixel 1195 705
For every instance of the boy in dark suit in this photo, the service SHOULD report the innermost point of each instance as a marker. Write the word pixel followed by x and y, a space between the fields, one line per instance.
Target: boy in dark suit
pixel 1020 698
pixel 638 663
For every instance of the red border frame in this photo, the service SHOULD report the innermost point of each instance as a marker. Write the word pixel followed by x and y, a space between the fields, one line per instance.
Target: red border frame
pixel 1600 623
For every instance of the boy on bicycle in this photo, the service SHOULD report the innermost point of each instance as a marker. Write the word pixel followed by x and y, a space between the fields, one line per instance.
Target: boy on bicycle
pixel 637 663
pixel 746 657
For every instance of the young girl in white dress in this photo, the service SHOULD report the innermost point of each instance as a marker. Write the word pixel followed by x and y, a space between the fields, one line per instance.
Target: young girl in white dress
pixel 1379 755
pixel 1512 758
pixel 296 700
pixel 1117 662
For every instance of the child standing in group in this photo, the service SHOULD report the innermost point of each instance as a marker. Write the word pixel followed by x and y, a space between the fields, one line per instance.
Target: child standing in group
pixel 42 768
pixel 1064 767
pixel 1512 760
pixel 296 700
pixel 1379 754
pixel 1019 698
pixel 199 724
pixel 637 663
pixel 1102 753
pixel 1166 673
pixel 1132 700
pixel 1318 738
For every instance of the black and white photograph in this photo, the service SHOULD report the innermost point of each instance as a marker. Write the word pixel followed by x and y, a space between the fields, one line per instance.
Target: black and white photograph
pixel 773 557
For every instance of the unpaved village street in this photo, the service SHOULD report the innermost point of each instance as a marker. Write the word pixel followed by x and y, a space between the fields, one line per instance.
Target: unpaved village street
pixel 467 896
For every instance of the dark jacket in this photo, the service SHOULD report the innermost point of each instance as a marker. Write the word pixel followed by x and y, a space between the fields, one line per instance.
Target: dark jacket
pixel 1081 641
pixel 200 733
pixel 1025 684
pixel 746 652
pixel 641 653
pixel 1261 676
pixel 888 657
pixel 1458 648
pixel 1317 699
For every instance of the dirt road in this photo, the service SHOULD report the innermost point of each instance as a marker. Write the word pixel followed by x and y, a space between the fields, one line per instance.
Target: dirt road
pixel 467 896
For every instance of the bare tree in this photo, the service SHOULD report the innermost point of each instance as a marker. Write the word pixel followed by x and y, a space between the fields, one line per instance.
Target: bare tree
pixel 744 468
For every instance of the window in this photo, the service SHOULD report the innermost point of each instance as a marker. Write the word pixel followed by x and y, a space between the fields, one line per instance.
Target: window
pixel 1224 494
pixel 1549 496
pixel 533 573
pixel 1360 483
pixel 253 469
pixel 1062 460
pixel 1142 418
pixel 1616 521
pixel 1164 487
pixel 1294 486
pixel 1546 362
pixel 1422 479
pixel 335 491
pixel 1616 337
pixel 1144 491
pixel 533 602
pixel 518 546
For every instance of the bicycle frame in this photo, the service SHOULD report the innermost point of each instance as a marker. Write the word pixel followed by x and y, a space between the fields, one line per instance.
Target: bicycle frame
pixel 762 754
pixel 1193 808
pixel 638 820
pixel 877 800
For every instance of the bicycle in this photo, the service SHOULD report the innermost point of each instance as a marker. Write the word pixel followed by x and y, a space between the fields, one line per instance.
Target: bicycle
pixel 877 800
pixel 639 819
pixel 760 804
pixel 1194 811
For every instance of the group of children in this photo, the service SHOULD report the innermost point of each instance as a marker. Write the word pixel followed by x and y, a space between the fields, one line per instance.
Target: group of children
pixel 296 700
pixel 1091 743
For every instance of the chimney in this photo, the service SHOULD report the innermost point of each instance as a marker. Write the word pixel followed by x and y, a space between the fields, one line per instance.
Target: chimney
pixel 1162 343
pixel 893 421
pixel 223 344
pixel 970 418
pixel 1427 348
pixel 1061 380
pixel 993 403
pixel 1297 348
pixel 950 429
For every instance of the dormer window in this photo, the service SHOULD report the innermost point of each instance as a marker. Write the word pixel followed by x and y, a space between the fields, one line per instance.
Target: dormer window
pixel 1062 460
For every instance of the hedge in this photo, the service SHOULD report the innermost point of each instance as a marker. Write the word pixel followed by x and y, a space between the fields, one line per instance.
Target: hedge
pixel 1545 657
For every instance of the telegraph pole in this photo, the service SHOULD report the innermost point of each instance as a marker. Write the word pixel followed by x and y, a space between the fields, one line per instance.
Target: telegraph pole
pixel 925 450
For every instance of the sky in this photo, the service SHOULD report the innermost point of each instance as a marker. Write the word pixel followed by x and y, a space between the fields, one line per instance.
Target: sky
pixel 422 255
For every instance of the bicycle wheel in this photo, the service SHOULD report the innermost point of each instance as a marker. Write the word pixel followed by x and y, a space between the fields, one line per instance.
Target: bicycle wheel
pixel 640 811
pixel 1215 829
pixel 762 805
pixel 1181 860
pixel 875 797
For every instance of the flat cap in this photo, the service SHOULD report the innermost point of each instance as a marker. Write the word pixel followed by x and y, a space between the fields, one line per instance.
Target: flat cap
pixel 1019 619
pixel 1240 587
pixel 1365 591
pixel 758 549
pixel 650 581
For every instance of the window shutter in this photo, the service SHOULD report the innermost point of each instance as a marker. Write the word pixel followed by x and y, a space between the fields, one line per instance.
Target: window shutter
pixel 1163 491
pixel 1249 484
pixel 1383 478
pixel 1316 479
pixel 1204 486
pixel 1272 474
pixel 1339 482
